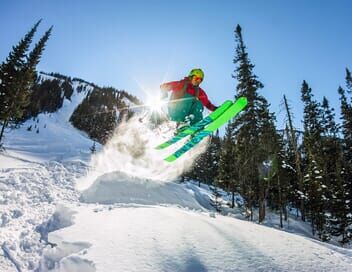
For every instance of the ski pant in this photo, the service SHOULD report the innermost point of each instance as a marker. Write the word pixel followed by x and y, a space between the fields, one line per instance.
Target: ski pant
pixel 188 105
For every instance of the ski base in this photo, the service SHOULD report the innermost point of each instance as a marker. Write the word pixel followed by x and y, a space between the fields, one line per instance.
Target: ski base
pixel 199 135
pixel 198 126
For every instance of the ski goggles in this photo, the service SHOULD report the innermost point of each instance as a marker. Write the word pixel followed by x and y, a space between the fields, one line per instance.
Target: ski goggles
pixel 197 78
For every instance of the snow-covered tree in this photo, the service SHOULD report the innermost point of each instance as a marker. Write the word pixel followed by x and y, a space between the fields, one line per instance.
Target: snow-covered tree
pixel 253 130
pixel 314 181
pixel 228 173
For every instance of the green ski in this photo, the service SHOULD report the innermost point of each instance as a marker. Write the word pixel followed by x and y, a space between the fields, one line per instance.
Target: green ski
pixel 230 113
pixel 198 126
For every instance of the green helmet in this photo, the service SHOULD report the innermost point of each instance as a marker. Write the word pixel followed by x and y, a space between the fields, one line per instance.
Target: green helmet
pixel 196 72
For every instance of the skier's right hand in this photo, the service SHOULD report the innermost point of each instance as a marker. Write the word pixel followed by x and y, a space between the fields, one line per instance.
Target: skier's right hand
pixel 164 87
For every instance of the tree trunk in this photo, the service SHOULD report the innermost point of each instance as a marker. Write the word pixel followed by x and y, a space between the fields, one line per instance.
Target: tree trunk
pixel 284 208
pixel 313 225
pixel 293 142
pixel 3 128
pixel 261 210
pixel 251 209
pixel 231 188
pixel 233 199
pixel 280 200
pixel 261 203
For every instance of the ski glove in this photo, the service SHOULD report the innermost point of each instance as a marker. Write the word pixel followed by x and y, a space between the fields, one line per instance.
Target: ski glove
pixel 164 87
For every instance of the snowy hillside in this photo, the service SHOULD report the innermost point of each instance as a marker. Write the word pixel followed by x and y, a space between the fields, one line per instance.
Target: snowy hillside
pixel 50 136
pixel 62 209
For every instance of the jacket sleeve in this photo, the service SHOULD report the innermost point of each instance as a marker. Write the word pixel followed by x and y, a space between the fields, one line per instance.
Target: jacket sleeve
pixel 173 85
pixel 205 101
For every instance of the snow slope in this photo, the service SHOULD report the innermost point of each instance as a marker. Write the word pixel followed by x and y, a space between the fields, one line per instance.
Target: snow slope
pixel 56 139
pixel 37 173
pixel 131 224
pixel 122 210
pixel 171 239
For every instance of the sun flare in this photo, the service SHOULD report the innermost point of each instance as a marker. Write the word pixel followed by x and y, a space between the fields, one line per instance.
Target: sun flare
pixel 155 104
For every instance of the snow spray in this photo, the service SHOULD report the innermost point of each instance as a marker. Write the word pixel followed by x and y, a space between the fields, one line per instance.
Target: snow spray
pixel 131 150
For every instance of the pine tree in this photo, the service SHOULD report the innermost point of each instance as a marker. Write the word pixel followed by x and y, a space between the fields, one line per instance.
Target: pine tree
pixel 341 222
pixel 205 168
pixel 96 115
pixel 17 76
pixel 227 175
pixel 211 160
pixel 330 152
pixel 315 189
pixel 216 201
pixel 315 198
pixel 347 128
pixel 295 189
pixel 10 75
pixel 35 55
pixel 29 76
pixel 340 217
pixel 253 131
pixel 281 175
pixel 348 81
pixel 331 146
pixel 346 113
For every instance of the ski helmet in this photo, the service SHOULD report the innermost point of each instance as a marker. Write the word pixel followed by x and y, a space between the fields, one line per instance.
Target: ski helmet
pixel 196 72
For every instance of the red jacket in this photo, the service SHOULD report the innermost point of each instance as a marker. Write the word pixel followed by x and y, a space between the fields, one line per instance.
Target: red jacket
pixel 177 88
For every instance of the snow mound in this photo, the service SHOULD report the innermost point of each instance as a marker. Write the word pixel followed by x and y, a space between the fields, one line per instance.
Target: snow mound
pixel 120 188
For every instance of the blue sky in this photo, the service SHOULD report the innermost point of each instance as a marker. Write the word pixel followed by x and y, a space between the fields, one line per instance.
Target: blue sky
pixel 136 45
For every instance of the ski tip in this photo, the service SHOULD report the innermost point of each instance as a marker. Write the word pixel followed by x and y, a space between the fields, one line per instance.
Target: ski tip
pixel 162 146
pixel 170 158
pixel 243 100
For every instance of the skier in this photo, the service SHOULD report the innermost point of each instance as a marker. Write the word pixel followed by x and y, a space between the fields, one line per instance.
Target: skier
pixel 187 100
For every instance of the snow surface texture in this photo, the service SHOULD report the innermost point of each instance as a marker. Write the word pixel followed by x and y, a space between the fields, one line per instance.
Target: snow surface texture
pixel 155 238
pixel 37 174
pixel 120 211
pixel 29 195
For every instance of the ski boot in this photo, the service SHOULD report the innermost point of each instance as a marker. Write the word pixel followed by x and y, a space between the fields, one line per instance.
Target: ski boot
pixel 181 126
